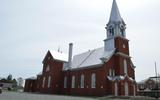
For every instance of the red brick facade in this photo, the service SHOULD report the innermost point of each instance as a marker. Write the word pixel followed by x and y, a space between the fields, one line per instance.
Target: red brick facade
pixel 30 85
pixel 103 85
pixel 103 71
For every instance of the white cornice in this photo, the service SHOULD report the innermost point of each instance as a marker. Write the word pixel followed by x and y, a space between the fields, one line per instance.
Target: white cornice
pixel 122 54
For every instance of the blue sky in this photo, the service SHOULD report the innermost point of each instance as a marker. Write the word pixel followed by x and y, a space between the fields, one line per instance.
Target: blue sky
pixel 28 28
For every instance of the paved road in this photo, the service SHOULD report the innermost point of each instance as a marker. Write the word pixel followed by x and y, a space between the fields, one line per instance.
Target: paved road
pixel 27 96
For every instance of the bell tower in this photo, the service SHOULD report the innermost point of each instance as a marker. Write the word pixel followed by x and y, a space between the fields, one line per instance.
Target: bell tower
pixel 116 25
pixel 115 32
pixel 123 66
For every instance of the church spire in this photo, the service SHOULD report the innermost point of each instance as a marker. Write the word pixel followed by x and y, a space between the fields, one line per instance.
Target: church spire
pixel 115 15
pixel 116 25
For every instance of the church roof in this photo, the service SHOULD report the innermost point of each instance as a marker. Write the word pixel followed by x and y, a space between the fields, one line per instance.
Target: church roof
pixel 155 79
pixel 59 56
pixel 115 15
pixel 150 78
pixel 86 59
pixel 91 58
pixel 40 73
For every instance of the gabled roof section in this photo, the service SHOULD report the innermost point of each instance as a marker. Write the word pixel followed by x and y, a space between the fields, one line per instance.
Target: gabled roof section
pixel 91 58
pixel 150 78
pixel 115 15
pixel 143 81
pixel 57 56
pixel 40 73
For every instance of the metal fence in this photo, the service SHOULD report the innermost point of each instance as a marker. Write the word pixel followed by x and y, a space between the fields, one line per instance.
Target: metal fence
pixel 153 93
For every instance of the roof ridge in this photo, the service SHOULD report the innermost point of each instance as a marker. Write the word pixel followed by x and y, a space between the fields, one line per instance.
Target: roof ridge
pixel 58 52
pixel 87 51
pixel 59 56
pixel 86 57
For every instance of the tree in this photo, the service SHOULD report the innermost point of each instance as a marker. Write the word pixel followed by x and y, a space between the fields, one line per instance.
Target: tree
pixel 3 80
pixel 9 78
pixel 14 83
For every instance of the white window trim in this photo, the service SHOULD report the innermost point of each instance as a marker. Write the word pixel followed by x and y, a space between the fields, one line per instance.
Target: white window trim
pixel 111 72
pixel 43 84
pixel 125 67
pixel 82 81
pixel 124 46
pixel 134 90
pixel 73 81
pixel 49 81
pixel 126 89
pixel 93 80
pixel 65 82
pixel 47 68
pixel 115 89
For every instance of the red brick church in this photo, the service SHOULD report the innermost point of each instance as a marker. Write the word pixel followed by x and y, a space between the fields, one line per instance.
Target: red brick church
pixel 103 71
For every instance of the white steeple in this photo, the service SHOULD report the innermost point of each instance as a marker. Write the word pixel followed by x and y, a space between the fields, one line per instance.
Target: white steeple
pixel 116 25
pixel 115 15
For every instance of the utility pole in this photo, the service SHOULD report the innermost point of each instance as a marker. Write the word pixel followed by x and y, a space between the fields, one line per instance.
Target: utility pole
pixel 156 89
pixel 156 71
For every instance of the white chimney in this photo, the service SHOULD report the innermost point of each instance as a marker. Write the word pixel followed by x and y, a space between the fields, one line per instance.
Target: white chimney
pixel 70 55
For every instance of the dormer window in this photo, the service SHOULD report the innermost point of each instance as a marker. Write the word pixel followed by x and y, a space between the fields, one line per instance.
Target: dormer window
pixel 47 68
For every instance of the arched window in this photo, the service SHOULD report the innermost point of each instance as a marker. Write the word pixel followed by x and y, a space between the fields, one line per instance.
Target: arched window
pixel 82 81
pixel 122 32
pixel 111 32
pixel 116 89
pixel 73 81
pixel 65 82
pixel 111 72
pixel 49 81
pixel 44 79
pixel 126 89
pixel 125 67
pixel 47 68
pixel 93 80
